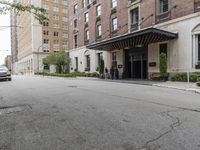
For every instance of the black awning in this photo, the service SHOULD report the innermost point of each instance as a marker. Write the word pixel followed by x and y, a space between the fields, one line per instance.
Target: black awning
pixel 131 40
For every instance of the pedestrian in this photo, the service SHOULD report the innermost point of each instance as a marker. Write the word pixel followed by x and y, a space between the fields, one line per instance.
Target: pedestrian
pixel 112 72
pixel 116 73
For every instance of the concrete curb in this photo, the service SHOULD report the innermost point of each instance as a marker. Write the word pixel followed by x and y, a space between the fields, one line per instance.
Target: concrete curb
pixel 178 88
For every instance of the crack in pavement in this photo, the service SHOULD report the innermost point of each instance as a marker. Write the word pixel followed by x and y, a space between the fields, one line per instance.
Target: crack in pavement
pixel 175 123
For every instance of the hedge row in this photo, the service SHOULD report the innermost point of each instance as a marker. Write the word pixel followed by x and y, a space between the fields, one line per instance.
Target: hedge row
pixel 73 74
pixel 194 77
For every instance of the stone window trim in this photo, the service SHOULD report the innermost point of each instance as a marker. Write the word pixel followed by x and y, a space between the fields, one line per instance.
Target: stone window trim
pixel 112 31
pixel 98 23
pixel 163 16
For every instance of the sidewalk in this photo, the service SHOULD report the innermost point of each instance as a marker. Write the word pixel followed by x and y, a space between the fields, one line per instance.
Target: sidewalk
pixel 179 86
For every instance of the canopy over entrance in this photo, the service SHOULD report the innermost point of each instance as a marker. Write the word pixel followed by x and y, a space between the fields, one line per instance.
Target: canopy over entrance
pixel 135 39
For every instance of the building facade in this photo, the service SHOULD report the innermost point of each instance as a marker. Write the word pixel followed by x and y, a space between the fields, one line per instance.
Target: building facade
pixel 36 41
pixel 8 62
pixel 130 35
pixel 14 45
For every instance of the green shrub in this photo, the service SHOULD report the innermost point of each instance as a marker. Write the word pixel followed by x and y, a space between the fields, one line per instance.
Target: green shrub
pixel 73 74
pixel 198 83
pixel 194 76
pixel 179 77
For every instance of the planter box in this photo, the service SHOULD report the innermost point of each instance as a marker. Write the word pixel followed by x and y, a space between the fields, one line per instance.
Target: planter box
pixel 197 66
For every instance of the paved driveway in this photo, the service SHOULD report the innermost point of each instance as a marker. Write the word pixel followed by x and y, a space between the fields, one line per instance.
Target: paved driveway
pixel 39 113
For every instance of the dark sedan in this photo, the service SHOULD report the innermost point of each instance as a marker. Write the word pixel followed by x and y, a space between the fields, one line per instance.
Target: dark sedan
pixel 5 73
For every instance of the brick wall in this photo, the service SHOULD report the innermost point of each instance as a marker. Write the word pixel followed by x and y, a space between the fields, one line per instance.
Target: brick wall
pixel 179 8
pixel 105 18
pixel 147 7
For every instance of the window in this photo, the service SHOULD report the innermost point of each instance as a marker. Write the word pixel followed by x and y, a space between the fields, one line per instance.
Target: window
pixel 64 33
pixel 56 25
pixel 55 33
pixel 87 35
pixel 88 62
pixel 99 58
pixel 75 41
pixel 75 9
pixel 55 42
pixel 56 17
pixel 83 3
pixel 46 24
pixel 163 48
pixel 46 41
pixel 64 42
pixel 164 6
pixel 76 63
pixel 64 25
pixel 114 3
pixel 64 18
pixel 45 6
pixel 134 18
pixel 98 10
pixel 45 32
pixel 114 59
pixel 89 1
pixel 114 24
pixel 75 23
pixel 55 9
pixel 64 10
pixel 99 32
pixel 64 2
pixel 86 17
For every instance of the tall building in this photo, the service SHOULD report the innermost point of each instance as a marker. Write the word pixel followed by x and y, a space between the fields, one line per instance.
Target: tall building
pixel 130 35
pixel 34 40
pixel 14 45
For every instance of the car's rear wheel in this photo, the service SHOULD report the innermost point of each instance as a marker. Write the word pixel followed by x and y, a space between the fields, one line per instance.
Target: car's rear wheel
pixel 9 79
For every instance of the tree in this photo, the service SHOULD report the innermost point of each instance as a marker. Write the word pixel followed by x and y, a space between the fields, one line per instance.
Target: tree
pixel 38 13
pixel 59 59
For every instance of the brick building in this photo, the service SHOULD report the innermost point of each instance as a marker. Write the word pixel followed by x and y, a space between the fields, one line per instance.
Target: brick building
pixel 131 34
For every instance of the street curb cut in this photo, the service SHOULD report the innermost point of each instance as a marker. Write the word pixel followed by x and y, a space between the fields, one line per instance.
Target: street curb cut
pixel 177 88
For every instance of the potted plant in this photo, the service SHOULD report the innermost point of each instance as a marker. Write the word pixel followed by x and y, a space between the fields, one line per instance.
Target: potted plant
pixel 198 65
pixel 163 67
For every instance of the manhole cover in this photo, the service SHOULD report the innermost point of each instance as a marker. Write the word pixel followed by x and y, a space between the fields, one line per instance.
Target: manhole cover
pixel 72 86
pixel 12 109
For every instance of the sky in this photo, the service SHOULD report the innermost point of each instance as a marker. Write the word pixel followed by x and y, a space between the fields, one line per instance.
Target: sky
pixel 5 45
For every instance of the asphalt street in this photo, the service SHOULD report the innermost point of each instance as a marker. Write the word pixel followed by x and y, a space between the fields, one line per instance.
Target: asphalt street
pixel 43 113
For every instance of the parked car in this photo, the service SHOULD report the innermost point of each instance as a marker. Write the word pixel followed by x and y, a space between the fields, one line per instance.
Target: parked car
pixel 5 73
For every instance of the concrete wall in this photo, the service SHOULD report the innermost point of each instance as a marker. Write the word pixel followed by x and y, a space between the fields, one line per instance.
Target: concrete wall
pixel 181 52
pixel 81 54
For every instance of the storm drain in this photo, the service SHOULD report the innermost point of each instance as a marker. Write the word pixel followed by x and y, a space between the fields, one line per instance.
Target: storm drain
pixel 13 109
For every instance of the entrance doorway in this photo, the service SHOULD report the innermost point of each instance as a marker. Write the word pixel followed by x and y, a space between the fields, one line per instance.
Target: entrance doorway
pixel 136 63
